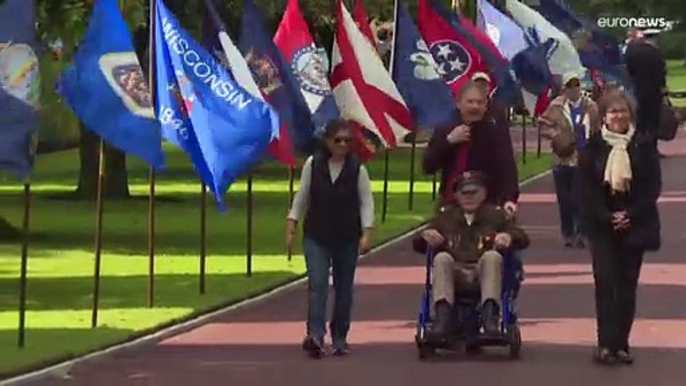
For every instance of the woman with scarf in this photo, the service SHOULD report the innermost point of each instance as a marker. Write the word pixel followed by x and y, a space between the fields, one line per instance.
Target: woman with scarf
pixel 474 142
pixel 619 187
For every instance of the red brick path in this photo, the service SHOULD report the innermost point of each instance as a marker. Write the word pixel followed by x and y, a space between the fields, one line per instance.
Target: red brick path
pixel 259 345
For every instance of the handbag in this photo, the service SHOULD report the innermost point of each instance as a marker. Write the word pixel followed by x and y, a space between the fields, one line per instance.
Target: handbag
pixel 669 122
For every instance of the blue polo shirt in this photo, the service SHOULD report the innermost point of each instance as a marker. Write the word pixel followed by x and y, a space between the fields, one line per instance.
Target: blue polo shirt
pixel 576 113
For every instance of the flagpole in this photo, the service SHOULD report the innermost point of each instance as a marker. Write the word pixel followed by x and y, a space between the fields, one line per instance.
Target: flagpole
pixel 391 64
pixel 410 202
pixel 203 236
pixel 151 172
pixel 524 137
pixel 433 187
pixel 248 249
pixel 291 195
pixel 98 233
pixel 24 265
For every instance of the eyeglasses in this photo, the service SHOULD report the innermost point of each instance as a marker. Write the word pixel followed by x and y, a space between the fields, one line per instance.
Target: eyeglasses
pixel 342 140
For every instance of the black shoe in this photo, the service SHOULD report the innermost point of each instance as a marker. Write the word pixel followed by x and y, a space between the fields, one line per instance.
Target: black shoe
pixel 603 356
pixel 624 357
pixel 441 327
pixel 490 314
pixel 580 242
pixel 314 347
pixel 569 242
pixel 342 350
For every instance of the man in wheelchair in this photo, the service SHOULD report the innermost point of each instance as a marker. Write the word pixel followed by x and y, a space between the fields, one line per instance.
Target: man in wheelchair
pixel 469 240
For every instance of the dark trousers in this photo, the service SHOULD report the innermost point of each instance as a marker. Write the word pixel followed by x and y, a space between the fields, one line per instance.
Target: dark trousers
pixel 565 178
pixel 648 115
pixel 343 261
pixel 616 270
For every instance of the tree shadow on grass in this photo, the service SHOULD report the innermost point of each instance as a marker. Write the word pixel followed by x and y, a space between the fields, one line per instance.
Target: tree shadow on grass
pixel 130 292
pixel 70 225
pixel 48 346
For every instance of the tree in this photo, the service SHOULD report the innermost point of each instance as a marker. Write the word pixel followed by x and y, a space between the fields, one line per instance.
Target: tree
pixel 67 21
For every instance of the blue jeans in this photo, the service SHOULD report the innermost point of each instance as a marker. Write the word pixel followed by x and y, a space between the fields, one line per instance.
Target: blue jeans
pixel 343 260
pixel 565 177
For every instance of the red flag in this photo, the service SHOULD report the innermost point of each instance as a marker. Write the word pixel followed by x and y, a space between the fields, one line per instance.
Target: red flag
pixel 362 20
pixel 361 146
pixel 456 57
pixel 543 101
pixel 366 94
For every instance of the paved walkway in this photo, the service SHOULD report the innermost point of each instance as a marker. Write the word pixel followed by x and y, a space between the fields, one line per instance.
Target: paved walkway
pixel 259 345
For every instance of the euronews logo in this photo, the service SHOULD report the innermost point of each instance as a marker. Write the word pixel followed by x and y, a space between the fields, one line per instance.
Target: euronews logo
pixel 635 22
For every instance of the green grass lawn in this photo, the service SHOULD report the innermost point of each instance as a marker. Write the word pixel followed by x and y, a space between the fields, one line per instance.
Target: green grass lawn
pixel 676 81
pixel 61 254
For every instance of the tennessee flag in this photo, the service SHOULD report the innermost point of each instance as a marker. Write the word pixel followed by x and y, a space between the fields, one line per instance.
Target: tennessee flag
pixel 457 59
pixel 364 90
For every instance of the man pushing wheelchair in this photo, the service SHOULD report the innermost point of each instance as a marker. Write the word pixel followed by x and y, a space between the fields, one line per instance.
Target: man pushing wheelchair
pixel 469 240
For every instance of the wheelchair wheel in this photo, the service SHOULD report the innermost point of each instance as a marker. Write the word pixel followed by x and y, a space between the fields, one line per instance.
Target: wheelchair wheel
pixel 515 341
pixel 426 352
pixel 472 348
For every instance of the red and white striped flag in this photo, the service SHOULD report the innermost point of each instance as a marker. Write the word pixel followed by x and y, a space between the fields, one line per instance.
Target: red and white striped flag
pixel 363 88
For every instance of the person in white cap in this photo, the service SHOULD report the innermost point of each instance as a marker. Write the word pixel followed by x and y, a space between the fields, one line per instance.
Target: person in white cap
pixel 568 122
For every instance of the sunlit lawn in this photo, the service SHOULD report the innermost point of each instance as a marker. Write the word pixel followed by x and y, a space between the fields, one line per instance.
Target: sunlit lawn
pixel 676 81
pixel 61 254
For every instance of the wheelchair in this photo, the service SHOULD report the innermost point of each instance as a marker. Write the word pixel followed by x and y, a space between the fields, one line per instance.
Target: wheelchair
pixel 467 319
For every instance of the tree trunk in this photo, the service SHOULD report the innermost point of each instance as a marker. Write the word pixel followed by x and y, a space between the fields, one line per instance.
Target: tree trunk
pixel 8 232
pixel 116 179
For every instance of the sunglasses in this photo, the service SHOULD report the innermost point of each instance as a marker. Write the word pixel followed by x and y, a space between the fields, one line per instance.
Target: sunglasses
pixel 342 140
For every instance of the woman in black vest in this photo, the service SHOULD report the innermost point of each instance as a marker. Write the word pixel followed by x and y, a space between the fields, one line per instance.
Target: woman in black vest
pixel 336 200
pixel 620 184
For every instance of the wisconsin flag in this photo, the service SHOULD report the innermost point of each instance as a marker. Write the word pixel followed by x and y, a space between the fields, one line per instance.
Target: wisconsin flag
pixel 203 110
pixel 364 90
pixel 308 63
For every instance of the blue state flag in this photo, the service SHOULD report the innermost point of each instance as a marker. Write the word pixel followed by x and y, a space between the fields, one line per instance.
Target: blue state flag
pixel 19 86
pixel 203 110
pixel 275 79
pixel 598 49
pixel 528 57
pixel 106 88
pixel 414 72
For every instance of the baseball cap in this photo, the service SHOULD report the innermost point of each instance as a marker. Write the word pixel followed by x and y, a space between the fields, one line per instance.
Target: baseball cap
pixel 570 76
pixel 470 183
pixel 651 32
pixel 481 76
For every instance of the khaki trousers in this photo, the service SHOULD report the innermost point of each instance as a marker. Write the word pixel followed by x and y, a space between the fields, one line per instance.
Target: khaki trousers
pixel 449 277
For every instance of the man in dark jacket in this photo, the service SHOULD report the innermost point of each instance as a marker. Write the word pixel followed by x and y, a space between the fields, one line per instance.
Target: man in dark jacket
pixel 469 238
pixel 475 142
pixel 648 71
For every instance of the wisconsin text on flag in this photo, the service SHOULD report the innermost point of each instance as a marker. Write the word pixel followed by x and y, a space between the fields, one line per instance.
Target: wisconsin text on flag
pixel 223 89
pixel 204 111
